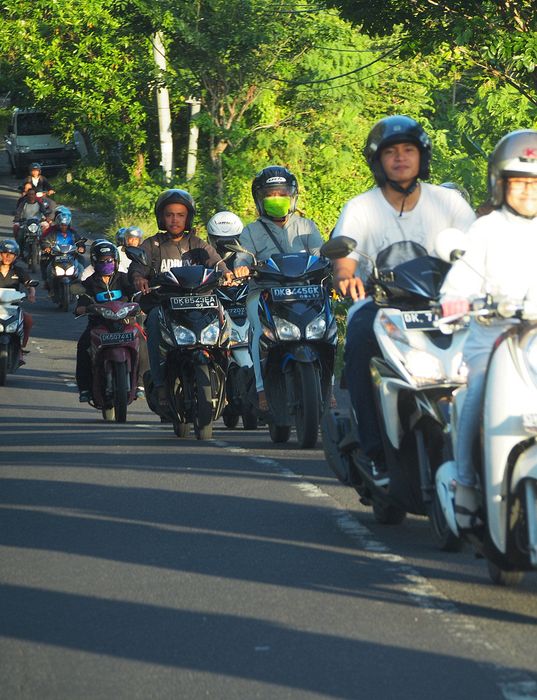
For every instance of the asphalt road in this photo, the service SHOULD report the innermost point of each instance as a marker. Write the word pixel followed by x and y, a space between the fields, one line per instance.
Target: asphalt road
pixel 137 565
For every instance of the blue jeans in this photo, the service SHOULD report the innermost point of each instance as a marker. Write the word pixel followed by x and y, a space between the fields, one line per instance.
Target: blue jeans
pixel 360 347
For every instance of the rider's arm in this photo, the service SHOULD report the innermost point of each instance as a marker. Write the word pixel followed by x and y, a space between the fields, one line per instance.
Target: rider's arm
pixel 345 282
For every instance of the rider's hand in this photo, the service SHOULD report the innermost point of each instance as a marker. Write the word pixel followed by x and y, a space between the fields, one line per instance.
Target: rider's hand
pixel 241 271
pixel 455 307
pixel 80 310
pixel 141 285
pixel 350 287
pixel 229 278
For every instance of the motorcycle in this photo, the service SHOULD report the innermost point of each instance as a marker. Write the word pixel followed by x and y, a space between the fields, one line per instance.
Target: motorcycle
pixel 114 350
pixel 30 233
pixel 506 453
pixel 195 336
pixel 414 377
pixel 63 258
pixel 298 343
pixel 240 372
pixel 11 330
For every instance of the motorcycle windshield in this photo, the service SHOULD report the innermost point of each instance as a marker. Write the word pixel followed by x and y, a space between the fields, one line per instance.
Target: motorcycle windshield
pixel 398 253
pixel 190 277
pixel 63 249
pixel 421 277
pixel 293 265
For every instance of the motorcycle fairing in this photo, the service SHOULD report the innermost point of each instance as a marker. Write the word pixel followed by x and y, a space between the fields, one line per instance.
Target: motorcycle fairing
pixel 191 277
pixel 292 265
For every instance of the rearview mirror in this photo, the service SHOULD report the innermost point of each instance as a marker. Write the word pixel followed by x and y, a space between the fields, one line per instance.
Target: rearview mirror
pixel 338 247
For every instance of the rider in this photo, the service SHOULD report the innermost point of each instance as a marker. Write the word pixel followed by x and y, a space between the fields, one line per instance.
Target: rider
pixel 175 244
pixel 223 228
pixel 30 208
pixel 401 208
pixel 39 181
pixel 120 235
pixel 278 229
pixel 104 257
pixel 499 259
pixel 13 275
pixel 61 233
pixel 133 237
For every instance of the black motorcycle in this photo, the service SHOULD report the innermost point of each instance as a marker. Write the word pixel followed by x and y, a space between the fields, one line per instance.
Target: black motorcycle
pixel 64 273
pixel 194 348
pixel 414 375
pixel 30 237
pixel 298 342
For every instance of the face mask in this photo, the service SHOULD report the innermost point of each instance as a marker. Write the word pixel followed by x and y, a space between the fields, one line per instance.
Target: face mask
pixel 105 268
pixel 278 207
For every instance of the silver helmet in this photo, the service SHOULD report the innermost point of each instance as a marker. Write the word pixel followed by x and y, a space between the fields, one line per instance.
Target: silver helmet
pixel 514 155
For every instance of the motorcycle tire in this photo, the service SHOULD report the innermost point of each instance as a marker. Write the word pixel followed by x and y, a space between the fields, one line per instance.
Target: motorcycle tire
pixel 203 411
pixel 503 577
pixel 65 297
pixel 444 538
pixel 308 408
pixel 386 514
pixel 34 258
pixel 279 433
pixel 249 418
pixel 230 418
pixel 4 362
pixel 121 391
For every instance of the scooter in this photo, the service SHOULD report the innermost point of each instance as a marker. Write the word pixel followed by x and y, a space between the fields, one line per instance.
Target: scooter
pixel 11 330
pixel 414 376
pixel 114 350
pixel 194 346
pixel 506 460
pixel 64 274
pixel 240 372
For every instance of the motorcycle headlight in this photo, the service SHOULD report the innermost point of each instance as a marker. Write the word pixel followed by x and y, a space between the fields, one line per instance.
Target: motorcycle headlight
pixel 423 366
pixel 286 330
pixel 70 270
pixel 316 329
pixel 32 228
pixel 11 327
pixel 210 334
pixel 109 314
pixel 59 271
pixel 184 336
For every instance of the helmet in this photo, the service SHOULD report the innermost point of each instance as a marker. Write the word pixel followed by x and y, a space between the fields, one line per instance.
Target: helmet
pixel 120 235
pixel 274 177
pixel 35 166
pixel 102 248
pixel 10 245
pixel 392 130
pixel 133 232
pixel 223 227
pixel 514 155
pixel 62 215
pixel 174 196
pixel 458 188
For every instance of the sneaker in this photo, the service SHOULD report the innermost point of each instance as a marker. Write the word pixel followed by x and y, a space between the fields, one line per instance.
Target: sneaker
pixel 140 392
pixel 84 397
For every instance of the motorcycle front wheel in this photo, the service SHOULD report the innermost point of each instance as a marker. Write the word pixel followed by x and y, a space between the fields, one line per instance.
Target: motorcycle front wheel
pixel 308 408
pixel 65 297
pixel 203 411
pixel 34 258
pixel 121 391
pixel 4 362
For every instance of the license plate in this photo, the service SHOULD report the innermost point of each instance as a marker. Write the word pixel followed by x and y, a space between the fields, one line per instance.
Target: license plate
pixel 207 301
pixel 303 293
pixel 419 320
pixel 237 311
pixel 117 338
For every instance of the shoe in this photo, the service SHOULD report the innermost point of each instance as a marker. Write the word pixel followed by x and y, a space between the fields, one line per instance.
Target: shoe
pixel 21 362
pixel 262 402
pixel 84 397
pixel 25 351
pixel 140 392
pixel 378 468
pixel 467 507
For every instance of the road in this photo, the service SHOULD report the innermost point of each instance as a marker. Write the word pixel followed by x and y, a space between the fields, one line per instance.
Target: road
pixel 137 565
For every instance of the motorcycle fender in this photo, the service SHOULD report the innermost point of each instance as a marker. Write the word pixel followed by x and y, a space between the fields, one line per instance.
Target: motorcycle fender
pixel 301 353
pixel 525 467
pixel 5 338
pixel 446 475
pixel 118 354
pixel 63 280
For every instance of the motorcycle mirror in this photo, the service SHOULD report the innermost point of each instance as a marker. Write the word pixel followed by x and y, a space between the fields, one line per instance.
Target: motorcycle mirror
pixel 338 247
pixel 33 283
pixel 235 247
pixel 450 244
pixel 137 255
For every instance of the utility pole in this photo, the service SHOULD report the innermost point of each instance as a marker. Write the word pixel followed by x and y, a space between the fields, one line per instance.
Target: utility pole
pixel 163 108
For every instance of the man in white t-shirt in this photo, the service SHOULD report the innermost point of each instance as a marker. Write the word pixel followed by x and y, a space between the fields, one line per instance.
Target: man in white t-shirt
pixel 401 208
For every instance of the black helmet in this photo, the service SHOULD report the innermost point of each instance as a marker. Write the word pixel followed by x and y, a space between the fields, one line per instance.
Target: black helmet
pixel 392 130
pixel 36 166
pixel 271 178
pixel 175 197
pixel 10 245
pixel 514 155
pixel 102 248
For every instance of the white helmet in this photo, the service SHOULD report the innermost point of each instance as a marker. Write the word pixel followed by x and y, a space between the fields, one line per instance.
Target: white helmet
pixel 225 224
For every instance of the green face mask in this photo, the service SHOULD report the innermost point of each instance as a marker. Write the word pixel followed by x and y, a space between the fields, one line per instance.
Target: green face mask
pixel 278 207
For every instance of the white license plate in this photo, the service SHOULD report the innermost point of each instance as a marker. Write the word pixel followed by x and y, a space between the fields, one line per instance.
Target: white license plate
pixel 117 338
pixel 302 293
pixel 419 320
pixel 206 301
pixel 237 311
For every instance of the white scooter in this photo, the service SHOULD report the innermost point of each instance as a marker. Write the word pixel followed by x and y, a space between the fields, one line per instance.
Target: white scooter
pixel 11 331
pixel 507 471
